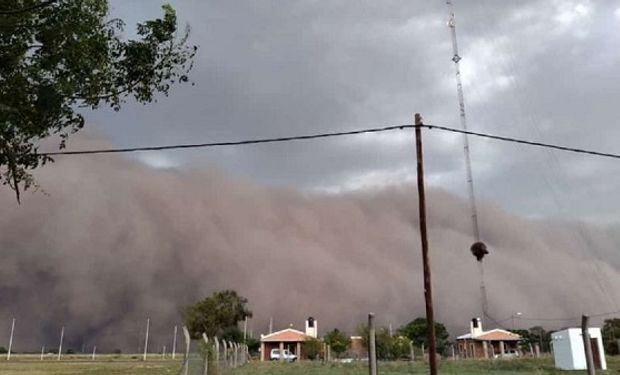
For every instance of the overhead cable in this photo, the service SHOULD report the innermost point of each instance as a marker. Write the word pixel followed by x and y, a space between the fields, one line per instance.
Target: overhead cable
pixel 335 134
pixel 230 143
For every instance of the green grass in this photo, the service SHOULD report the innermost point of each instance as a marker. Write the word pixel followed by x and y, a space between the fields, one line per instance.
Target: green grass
pixel 82 365
pixel 497 367
pixel 131 365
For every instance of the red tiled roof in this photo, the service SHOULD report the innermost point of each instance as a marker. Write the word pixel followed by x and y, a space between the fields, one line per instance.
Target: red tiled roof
pixel 286 335
pixel 498 335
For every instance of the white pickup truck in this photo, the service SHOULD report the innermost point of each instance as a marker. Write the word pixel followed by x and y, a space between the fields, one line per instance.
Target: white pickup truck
pixel 286 355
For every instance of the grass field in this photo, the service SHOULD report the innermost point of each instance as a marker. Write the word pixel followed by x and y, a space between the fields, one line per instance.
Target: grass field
pixel 539 367
pixel 133 366
pixel 76 365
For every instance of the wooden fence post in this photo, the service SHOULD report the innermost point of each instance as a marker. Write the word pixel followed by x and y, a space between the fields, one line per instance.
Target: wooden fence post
pixel 217 354
pixel 186 354
pixel 587 344
pixel 372 350
pixel 205 369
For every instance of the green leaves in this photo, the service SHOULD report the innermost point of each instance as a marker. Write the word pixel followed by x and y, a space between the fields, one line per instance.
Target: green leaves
pixel 416 331
pixel 217 315
pixel 67 54
pixel 611 335
pixel 337 341
pixel 312 348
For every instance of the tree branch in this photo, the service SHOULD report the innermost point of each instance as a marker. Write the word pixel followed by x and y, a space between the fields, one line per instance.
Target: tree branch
pixel 12 172
pixel 28 9
pixel 131 85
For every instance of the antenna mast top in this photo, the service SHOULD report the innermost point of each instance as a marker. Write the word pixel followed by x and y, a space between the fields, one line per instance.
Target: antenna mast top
pixel 459 88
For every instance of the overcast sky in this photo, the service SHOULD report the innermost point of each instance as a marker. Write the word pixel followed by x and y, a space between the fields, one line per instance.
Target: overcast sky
pixel 542 70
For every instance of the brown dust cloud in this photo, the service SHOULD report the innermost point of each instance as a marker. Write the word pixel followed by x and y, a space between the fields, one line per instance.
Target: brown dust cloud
pixel 111 242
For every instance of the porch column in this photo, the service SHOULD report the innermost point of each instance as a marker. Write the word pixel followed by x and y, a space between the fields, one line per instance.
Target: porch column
pixel 262 352
pixel 281 351
pixel 485 348
pixel 298 351
pixel 501 349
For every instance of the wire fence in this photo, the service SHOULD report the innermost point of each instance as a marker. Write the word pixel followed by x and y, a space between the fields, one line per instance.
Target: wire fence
pixel 212 356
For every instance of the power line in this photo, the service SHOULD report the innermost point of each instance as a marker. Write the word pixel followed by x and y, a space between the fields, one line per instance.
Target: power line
pixel 597 315
pixel 525 142
pixel 335 134
pixel 231 143
pixel 605 314
pixel 548 319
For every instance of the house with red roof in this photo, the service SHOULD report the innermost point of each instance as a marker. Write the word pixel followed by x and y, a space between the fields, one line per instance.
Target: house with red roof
pixel 496 343
pixel 288 339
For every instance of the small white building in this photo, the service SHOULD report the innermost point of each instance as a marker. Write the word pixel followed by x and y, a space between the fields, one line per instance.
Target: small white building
pixel 569 351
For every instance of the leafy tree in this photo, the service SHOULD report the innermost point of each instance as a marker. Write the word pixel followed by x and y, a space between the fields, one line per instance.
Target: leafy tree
pixel 253 345
pixel 337 341
pixel 416 331
pixel 611 335
pixel 312 348
pixel 526 338
pixel 3 350
pixel 232 333
pixel 217 315
pixel 538 335
pixel 384 344
pixel 387 347
pixel 400 347
pixel 61 55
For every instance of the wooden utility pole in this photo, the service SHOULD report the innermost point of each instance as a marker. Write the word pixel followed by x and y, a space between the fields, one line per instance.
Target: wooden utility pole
pixel 372 351
pixel 587 344
pixel 428 294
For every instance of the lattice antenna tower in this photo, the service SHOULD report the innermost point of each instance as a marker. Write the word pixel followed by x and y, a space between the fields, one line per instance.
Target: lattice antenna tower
pixel 470 180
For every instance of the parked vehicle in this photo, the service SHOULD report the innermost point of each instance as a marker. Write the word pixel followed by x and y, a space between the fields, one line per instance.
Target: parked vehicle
pixel 286 355
pixel 508 354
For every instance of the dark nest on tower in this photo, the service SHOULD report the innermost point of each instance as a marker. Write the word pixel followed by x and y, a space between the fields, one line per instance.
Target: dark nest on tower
pixel 479 250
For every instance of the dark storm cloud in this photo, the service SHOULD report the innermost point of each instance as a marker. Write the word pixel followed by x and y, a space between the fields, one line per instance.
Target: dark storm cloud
pixel 534 69
pixel 272 68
